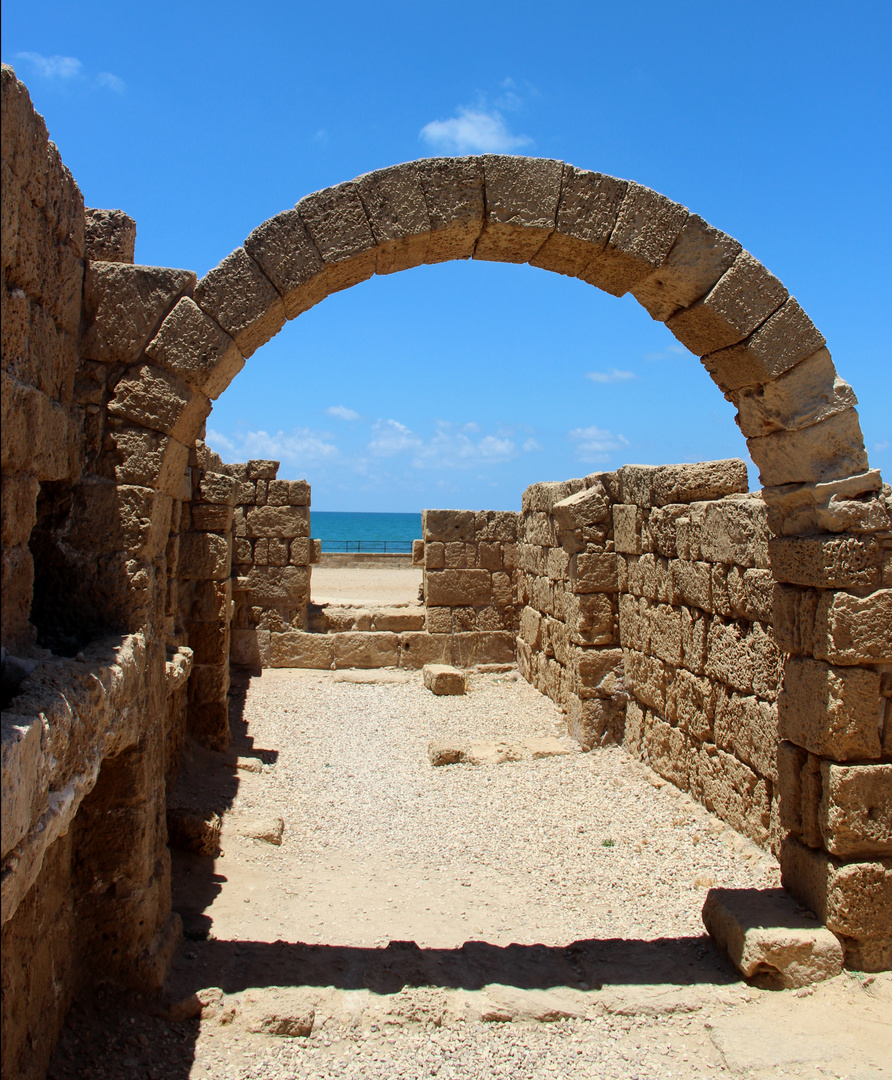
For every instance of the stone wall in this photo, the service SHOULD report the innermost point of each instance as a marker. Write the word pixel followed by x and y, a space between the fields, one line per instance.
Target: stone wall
pixel 271 559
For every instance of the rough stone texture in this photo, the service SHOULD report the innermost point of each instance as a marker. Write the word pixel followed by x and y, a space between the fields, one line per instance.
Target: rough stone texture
pixel 124 306
pixel 769 937
pixel 742 299
pixel 394 202
pixel 453 194
pixel 831 711
pixel 647 226
pixel 854 629
pixel 521 206
pixel 241 299
pixel 831 449
pixel 442 679
pixel 192 346
pixel 109 236
pixel 283 250
pixel 337 224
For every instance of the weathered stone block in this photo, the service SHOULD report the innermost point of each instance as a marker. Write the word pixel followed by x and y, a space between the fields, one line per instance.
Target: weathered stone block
pixel 193 347
pixel 283 250
pixel 394 203
pixel 337 224
pixel 598 671
pixel 154 398
pixel 124 306
pixel 419 647
pixel 766 933
pixel 455 588
pixel 242 299
pixel 442 679
pixel 728 657
pixel 521 206
pixel 646 228
pixel 627 529
pixel 645 676
pixel 211 518
pixel 853 898
pixel 204 555
pixel 594 721
pixel 747 728
pixel 277 521
pixel 691 583
pixel 261 469
pixel 19 502
pixel 667 751
pixel 734 531
pixel 854 629
pixel 448 525
pixel 696 261
pixel 590 573
pixel 837 562
pixel 811 392
pixel 741 300
pixel 453 194
pixel 828 450
pixel 483 647
pixel 297 649
pixel 690 704
pixel 25 773
pixel 586 216
pixel 734 792
pixel 278 586
pixel 664 633
pixel 856 809
pixel 831 711
pixel 365 650
pixel 591 618
pixel 109 236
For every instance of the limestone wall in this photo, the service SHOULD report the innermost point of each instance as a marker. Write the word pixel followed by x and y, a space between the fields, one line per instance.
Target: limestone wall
pixel 271 559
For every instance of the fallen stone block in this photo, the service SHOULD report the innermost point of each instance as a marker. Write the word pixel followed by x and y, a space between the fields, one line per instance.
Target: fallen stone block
pixel 495 751
pixel 444 679
pixel 267 828
pixel 771 938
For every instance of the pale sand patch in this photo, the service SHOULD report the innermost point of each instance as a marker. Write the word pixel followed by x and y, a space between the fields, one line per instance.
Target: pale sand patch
pixel 346 585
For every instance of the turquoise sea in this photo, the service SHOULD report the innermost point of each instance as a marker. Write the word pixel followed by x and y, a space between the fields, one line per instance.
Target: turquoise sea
pixel 365 532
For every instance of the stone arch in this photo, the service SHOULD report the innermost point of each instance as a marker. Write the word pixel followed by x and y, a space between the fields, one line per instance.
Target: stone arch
pixel 825 505
pixel 755 341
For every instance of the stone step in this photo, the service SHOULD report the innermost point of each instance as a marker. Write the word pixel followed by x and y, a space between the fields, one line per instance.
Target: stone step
pixel 341 618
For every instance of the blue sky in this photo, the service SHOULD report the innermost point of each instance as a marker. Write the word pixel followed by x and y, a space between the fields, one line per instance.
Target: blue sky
pixel 459 384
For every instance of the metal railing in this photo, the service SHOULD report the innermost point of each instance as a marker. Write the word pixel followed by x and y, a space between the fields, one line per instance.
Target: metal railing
pixel 390 547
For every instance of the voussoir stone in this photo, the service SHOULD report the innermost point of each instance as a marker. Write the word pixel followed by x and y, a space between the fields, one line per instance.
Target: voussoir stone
pixel 193 346
pixel 338 225
pixel 521 206
pixel 453 194
pixel 809 393
pixel 646 228
pixel 242 299
pixel 284 251
pixel 394 203
pixel 586 217
pixel 784 339
pixel 741 300
pixel 700 255
pixel 442 679
pixel 831 449
pixel 767 934
pixel 156 399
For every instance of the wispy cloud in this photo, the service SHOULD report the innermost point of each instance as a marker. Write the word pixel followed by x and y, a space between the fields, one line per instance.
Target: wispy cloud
pixel 530 445
pixel 68 69
pixel 298 449
pixel 881 446
pixel 671 352
pixel 597 444
pixel 111 82
pixel 390 437
pixel 473 131
pixel 341 412
pixel 612 376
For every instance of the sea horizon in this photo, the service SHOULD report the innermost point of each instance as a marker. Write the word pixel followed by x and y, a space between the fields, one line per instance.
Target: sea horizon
pixel 343 530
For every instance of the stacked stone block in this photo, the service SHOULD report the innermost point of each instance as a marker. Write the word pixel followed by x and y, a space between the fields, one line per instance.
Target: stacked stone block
pixel 568 642
pixel 471 579
pixel 272 553
pixel 205 594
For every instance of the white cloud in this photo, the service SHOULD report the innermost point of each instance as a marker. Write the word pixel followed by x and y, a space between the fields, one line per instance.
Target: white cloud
pixel 297 449
pixel 880 446
pixel 52 67
pixel 473 131
pixel 530 445
pixel 341 412
pixel 390 438
pixel 614 375
pixel 596 444
pixel 111 82
pixel 67 68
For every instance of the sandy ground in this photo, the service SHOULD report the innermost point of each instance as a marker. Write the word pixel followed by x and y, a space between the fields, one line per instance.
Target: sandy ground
pixel 527 920
pixel 339 585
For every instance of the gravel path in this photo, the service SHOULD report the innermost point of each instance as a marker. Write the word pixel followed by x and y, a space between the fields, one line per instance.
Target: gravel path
pixel 533 919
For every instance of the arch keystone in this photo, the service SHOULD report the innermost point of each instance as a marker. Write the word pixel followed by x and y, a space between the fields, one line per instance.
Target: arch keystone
pixel 242 300
pixel 522 197
pixel 394 203
pixel 453 193
pixel 283 250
